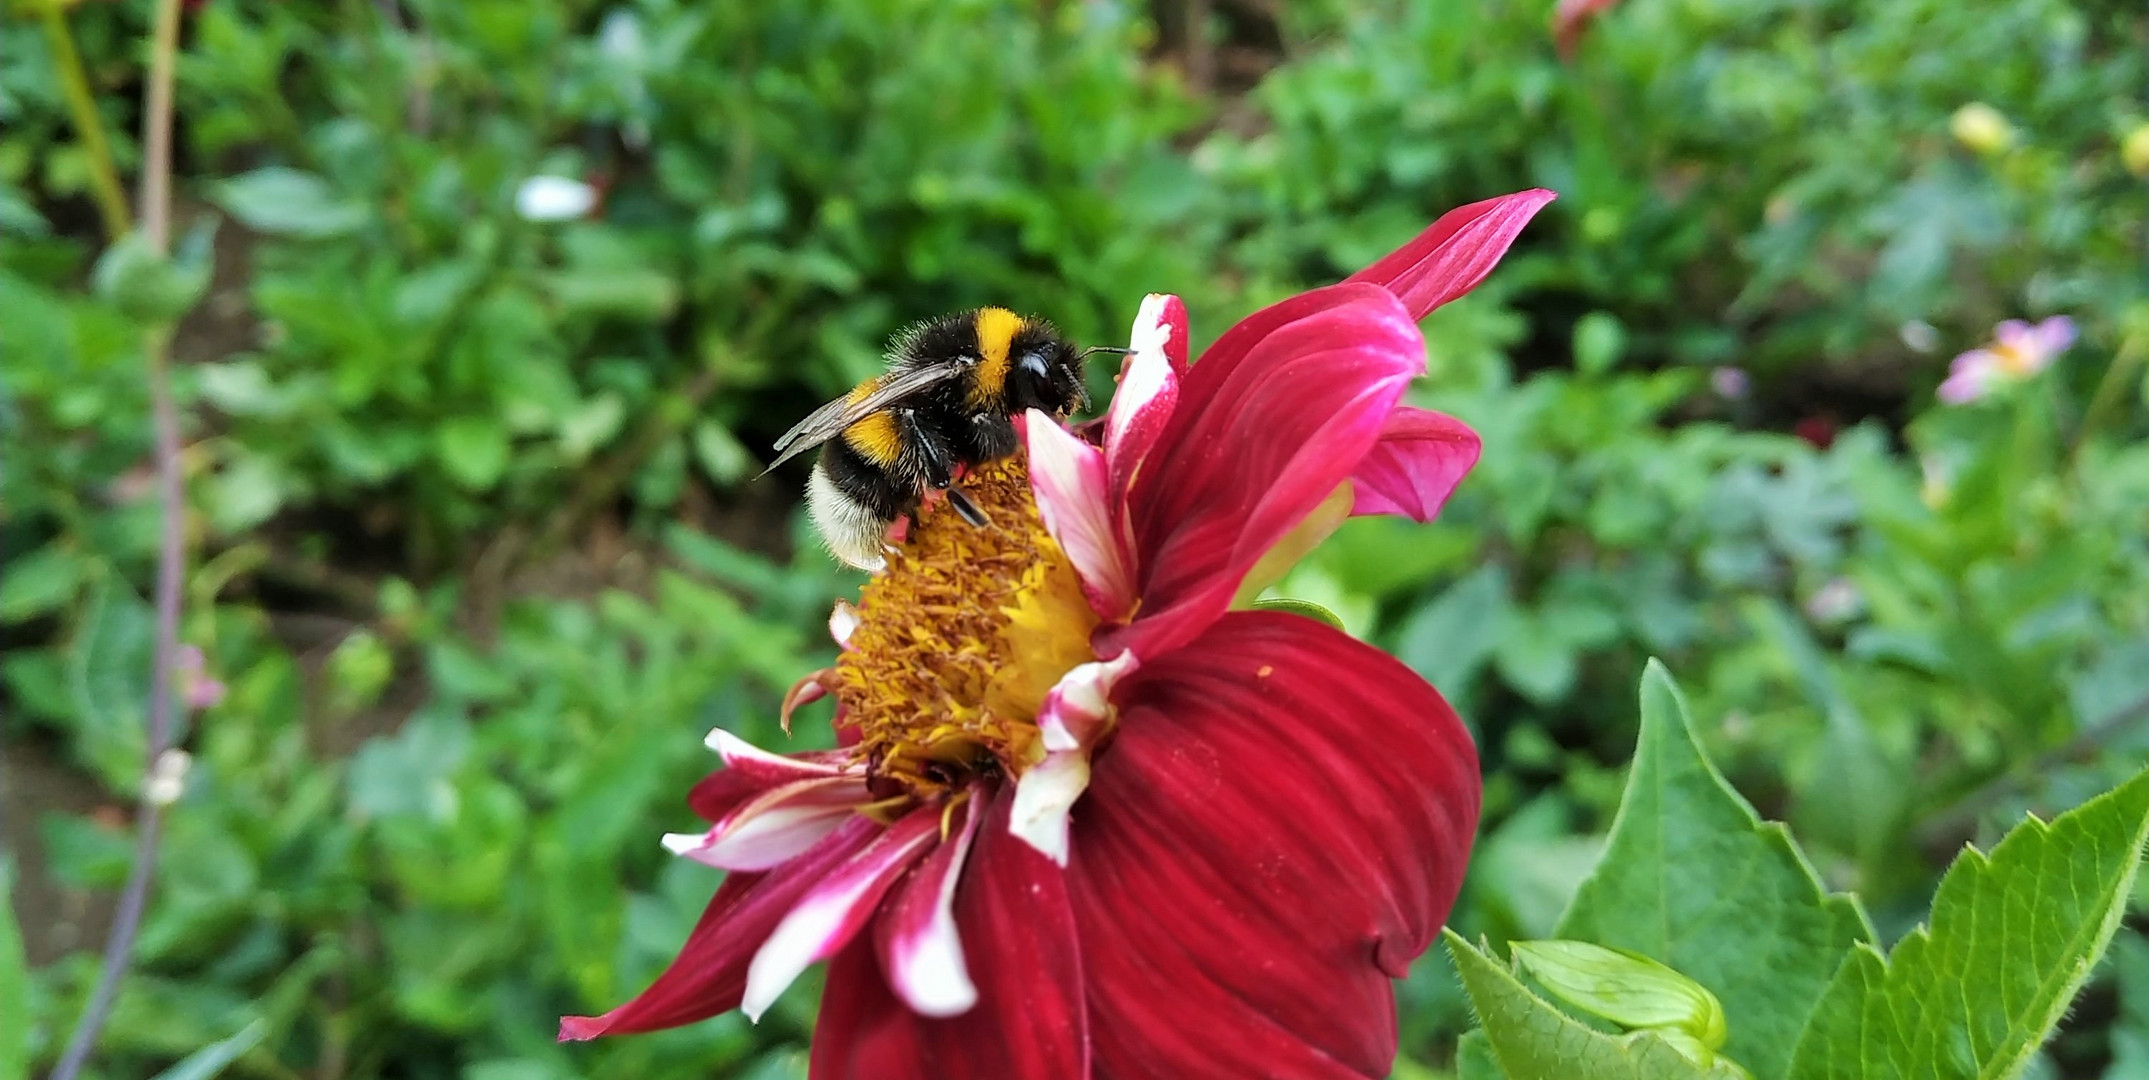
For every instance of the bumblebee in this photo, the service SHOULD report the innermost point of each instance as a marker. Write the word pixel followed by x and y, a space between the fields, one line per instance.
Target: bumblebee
pixel 946 404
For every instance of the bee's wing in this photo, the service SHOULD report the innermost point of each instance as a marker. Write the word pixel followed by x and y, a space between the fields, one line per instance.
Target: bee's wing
pixel 829 420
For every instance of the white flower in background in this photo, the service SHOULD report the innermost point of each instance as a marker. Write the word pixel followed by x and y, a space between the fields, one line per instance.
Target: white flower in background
pixel 1835 602
pixel 554 198
pixel 1919 335
pixel 2018 351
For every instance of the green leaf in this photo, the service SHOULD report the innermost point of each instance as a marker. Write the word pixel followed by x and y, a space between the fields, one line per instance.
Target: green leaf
pixel 1474 1059
pixel 210 1060
pixel 148 286
pixel 1531 1040
pixel 2012 935
pixel 1693 878
pixel 1449 639
pixel 473 449
pixel 289 202
pixel 14 986
pixel 40 582
pixel 1599 339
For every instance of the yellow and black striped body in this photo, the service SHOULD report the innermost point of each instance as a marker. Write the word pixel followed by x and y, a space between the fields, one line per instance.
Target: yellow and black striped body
pixel 996 364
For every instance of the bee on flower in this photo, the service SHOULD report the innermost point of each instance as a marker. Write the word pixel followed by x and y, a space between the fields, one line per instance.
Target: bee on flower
pixel 2018 351
pixel 1091 816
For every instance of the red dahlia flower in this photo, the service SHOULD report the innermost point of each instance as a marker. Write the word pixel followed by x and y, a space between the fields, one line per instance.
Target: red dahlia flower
pixel 1091 818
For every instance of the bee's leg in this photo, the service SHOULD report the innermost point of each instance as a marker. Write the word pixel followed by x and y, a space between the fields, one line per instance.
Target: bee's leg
pixel 969 510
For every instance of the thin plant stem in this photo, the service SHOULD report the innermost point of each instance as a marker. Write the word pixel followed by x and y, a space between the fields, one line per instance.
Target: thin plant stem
pixel 75 85
pixel 171 560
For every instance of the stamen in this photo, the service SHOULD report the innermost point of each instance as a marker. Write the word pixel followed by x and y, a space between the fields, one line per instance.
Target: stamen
pixel 958 640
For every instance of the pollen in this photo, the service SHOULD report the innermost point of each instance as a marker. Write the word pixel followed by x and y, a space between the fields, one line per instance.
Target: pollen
pixel 959 639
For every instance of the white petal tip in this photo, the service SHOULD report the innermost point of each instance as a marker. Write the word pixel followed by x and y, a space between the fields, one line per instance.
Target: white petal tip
pixel 681 843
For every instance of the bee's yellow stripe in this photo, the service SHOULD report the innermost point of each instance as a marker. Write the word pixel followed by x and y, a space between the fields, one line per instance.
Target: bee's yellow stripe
pixel 995 332
pixel 876 438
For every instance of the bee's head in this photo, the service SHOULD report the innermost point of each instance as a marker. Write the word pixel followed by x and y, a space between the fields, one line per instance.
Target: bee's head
pixel 1044 373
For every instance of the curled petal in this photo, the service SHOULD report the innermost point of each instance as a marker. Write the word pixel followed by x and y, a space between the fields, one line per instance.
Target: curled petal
pixel 1043 797
pixel 842 622
pixel 1079 707
pixel 745 758
pixel 775 826
pixel 1454 253
pixel 919 946
pixel 829 916
pixel 1277 414
pixel 750 772
pixel 804 692
pixel 1415 466
pixel 1068 477
pixel 709 975
pixel 1031 1018
pixel 1148 392
pixel 1290 811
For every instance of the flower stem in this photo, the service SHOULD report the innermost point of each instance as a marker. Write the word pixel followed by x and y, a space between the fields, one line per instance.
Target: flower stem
pixel 75 85
pixel 171 557
pixel 2111 386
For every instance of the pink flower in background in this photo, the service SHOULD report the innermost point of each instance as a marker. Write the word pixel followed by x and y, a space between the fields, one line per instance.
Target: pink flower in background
pixel 2018 351
pixel 1091 818
pixel 1730 383
pixel 197 687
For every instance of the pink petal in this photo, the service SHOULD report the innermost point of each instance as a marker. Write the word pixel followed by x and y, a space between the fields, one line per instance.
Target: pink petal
pixel 838 906
pixel 1452 255
pixel 920 947
pixel 709 974
pixel 1279 827
pixel 774 826
pixel 1269 422
pixel 1148 392
pixel 1068 477
pixel 1031 1020
pixel 1419 459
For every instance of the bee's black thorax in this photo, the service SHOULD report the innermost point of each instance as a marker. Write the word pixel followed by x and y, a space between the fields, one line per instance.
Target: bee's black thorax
pixel 1012 364
pixel 881 465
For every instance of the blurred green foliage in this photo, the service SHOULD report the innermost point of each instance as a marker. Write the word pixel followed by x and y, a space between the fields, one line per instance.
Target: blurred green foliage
pixel 477 560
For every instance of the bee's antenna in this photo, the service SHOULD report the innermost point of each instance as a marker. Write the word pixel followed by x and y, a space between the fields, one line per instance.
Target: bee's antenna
pixel 1107 349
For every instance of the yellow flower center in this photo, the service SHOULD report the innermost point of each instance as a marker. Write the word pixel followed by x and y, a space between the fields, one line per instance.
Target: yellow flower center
pixel 959 640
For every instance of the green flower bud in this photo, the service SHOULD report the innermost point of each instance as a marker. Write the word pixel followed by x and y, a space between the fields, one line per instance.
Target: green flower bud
pixel 1981 128
pixel 1626 988
pixel 2134 150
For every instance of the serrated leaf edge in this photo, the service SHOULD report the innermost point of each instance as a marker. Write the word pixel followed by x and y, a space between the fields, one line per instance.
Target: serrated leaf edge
pixel 1975 863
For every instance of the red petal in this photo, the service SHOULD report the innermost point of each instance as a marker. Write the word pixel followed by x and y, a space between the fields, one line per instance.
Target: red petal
pixel 1271 419
pixel 1415 466
pixel 1030 1022
pixel 1279 828
pixel 709 974
pixel 1453 254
